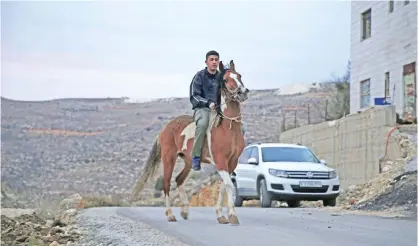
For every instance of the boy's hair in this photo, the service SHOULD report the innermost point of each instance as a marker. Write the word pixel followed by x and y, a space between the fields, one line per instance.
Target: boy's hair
pixel 212 53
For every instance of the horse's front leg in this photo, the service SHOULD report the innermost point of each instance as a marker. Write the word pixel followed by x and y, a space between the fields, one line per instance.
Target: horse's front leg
pixel 219 204
pixel 226 178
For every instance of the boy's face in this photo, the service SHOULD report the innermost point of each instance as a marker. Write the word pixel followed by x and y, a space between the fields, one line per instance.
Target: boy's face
pixel 212 62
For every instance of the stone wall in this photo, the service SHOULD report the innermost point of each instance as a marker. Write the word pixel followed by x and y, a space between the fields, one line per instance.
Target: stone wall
pixel 353 144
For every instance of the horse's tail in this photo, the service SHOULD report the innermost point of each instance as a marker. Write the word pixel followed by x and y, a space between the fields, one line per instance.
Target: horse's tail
pixel 151 165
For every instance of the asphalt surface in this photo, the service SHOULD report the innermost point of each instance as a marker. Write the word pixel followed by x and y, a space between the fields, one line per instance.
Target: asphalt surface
pixel 258 226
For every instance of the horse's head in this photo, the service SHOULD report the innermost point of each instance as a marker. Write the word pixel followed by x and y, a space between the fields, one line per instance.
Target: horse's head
pixel 230 82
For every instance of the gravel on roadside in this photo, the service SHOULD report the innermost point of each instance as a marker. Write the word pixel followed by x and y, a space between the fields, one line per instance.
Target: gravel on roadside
pixel 103 226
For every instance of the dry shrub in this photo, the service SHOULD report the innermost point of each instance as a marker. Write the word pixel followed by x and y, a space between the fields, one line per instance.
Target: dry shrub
pixel 102 201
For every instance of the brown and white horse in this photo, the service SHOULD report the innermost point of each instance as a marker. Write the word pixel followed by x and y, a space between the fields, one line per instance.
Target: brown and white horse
pixel 224 143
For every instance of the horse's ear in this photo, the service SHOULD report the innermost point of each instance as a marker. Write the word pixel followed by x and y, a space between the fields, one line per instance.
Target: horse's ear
pixel 221 67
pixel 232 65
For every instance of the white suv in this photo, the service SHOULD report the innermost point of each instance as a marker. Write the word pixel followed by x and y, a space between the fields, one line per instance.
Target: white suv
pixel 283 172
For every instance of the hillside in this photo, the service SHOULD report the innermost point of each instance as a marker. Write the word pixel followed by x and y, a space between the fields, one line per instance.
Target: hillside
pixel 97 147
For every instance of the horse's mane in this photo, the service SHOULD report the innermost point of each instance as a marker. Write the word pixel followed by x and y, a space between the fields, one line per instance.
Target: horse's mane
pixel 221 86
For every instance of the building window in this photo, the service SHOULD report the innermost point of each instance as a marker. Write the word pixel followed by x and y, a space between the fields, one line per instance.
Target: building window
pixel 391 6
pixel 387 84
pixel 406 3
pixel 366 21
pixel 365 93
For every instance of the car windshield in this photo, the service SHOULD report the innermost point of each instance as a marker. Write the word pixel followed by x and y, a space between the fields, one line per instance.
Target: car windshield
pixel 288 154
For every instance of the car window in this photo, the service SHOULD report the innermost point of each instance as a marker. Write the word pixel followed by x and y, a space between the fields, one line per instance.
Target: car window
pixel 254 153
pixel 245 156
pixel 248 155
pixel 242 159
pixel 288 154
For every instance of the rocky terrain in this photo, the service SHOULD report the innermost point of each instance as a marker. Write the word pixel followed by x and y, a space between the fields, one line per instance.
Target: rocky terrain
pixel 26 227
pixel 396 187
pixel 97 147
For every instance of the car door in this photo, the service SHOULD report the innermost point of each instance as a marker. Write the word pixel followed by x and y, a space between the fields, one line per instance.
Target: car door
pixel 240 170
pixel 252 171
pixel 244 173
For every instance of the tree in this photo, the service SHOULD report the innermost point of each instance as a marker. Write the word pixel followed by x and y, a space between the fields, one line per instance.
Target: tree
pixel 339 101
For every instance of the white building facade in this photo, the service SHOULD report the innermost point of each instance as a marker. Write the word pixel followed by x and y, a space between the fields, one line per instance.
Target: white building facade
pixel 383 55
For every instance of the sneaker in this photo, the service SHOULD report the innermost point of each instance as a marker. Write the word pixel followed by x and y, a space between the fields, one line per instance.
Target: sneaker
pixel 196 163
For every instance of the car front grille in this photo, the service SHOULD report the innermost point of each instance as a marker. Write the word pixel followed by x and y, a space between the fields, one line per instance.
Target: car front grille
pixel 304 175
pixel 297 188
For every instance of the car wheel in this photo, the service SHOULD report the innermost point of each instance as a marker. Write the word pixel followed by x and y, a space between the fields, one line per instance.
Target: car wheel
pixel 330 202
pixel 265 196
pixel 238 200
pixel 293 204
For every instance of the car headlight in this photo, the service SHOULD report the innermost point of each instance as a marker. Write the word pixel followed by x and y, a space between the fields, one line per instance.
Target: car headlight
pixel 278 173
pixel 332 174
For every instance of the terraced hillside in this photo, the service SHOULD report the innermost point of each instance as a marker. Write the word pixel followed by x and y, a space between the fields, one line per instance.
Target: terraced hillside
pixel 51 149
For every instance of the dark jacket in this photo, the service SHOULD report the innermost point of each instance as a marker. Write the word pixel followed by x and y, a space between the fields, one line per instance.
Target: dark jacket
pixel 204 89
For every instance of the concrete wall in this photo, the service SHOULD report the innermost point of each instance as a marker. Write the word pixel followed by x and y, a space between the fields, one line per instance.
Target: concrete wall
pixel 393 44
pixel 353 145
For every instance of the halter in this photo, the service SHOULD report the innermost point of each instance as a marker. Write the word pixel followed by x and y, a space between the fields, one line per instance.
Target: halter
pixel 230 95
pixel 236 118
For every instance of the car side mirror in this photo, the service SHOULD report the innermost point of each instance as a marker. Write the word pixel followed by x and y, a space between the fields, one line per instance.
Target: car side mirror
pixel 252 160
pixel 323 162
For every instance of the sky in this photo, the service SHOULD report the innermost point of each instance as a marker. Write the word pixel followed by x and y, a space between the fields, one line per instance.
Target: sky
pixel 152 49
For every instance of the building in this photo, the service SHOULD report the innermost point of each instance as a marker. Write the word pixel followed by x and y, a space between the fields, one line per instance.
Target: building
pixel 383 55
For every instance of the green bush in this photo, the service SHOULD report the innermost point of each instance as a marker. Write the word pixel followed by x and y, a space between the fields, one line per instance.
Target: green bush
pixel 159 184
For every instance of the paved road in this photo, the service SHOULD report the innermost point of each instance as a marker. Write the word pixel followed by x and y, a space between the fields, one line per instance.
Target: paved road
pixel 261 226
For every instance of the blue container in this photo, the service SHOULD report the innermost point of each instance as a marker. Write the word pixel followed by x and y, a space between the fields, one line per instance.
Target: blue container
pixel 380 101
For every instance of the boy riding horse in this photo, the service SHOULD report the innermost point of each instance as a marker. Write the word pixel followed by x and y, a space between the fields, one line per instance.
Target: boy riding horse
pixel 203 96
pixel 183 137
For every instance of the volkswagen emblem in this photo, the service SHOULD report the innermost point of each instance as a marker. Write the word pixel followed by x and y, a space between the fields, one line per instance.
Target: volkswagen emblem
pixel 309 174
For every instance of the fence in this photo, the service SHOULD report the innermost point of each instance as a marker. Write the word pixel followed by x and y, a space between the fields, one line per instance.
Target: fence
pixel 311 112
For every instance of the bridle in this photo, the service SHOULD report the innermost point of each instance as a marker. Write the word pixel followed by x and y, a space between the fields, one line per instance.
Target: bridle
pixel 230 95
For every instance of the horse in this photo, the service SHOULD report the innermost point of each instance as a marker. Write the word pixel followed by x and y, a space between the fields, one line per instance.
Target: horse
pixel 224 143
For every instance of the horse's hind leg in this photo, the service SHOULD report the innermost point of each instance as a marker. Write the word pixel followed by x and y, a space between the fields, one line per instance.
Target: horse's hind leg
pixel 169 160
pixel 181 180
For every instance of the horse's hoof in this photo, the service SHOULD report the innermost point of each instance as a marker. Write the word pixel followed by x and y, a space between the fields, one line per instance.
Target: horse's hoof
pixel 171 218
pixel 185 215
pixel 233 219
pixel 222 220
